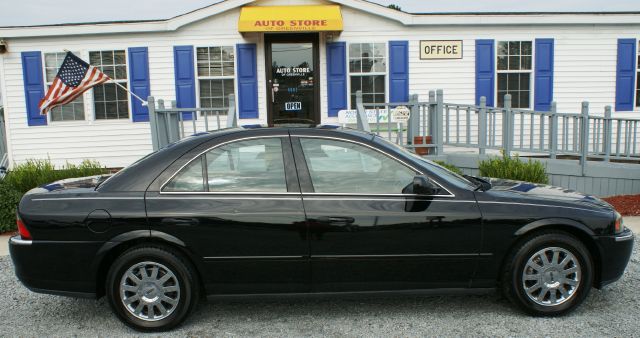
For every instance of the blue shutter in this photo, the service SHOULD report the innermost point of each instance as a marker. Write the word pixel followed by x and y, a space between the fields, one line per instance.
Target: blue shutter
pixel 184 73
pixel 625 74
pixel 398 71
pixel 543 87
pixel 33 87
pixel 139 81
pixel 247 81
pixel 485 71
pixel 336 77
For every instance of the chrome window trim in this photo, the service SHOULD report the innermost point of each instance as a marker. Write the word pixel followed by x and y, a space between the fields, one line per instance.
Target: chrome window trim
pixel 229 193
pixel 207 150
pixel 87 198
pixel 450 194
pixel 276 198
pixel 383 153
pixel 407 198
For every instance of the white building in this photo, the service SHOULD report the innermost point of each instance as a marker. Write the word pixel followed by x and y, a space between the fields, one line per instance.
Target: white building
pixel 285 61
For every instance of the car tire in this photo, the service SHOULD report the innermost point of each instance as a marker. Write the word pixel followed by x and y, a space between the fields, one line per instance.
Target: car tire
pixel 549 273
pixel 151 288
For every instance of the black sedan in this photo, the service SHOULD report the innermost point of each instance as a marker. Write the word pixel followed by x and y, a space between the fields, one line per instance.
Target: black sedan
pixel 299 210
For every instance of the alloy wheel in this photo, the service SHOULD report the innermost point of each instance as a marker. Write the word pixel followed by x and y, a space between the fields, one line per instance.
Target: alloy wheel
pixel 551 276
pixel 149 291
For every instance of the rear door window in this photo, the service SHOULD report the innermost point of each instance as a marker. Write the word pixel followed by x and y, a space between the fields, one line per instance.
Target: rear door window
pixel 244 166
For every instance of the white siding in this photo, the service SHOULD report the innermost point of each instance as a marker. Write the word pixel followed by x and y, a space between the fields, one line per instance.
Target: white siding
pixel 585 58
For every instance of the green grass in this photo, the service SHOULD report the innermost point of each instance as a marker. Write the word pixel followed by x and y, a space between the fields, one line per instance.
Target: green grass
pixel 515 169
pixel 33 173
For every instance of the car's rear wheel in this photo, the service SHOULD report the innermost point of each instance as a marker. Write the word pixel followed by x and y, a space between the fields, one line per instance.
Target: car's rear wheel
pixel 548 274
pixel 151 289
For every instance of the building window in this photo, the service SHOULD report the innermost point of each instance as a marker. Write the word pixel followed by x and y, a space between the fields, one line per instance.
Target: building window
pixel 72 111
pixel 638 76
pixel 514 72
pixel 367 72
pixel 216 70
pixel 109 100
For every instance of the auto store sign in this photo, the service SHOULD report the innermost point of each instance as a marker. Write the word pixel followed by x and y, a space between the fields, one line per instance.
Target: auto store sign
pixel 440 49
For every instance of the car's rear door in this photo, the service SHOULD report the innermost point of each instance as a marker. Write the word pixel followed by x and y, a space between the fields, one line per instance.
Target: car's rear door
pixel 365 234
pixel 236 205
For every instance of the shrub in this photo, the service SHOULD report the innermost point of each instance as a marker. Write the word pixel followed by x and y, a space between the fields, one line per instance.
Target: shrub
pixel 451 167
pixel 9 199
pixel 515 169
pixel 34 173
pixel 31 174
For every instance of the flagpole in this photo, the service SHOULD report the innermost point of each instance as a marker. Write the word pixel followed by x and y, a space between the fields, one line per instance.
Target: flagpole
pixel 144 102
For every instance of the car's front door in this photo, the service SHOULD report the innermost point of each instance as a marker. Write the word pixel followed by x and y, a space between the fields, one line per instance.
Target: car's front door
pixel 365 234
pixel 237 207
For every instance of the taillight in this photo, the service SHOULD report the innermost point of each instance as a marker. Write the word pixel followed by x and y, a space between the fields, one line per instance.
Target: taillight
pixel 22 230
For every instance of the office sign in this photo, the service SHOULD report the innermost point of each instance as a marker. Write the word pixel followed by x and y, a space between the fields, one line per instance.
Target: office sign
pixel 440 49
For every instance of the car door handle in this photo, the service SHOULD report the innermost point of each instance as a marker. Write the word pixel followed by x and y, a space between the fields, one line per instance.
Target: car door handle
pixel 336 220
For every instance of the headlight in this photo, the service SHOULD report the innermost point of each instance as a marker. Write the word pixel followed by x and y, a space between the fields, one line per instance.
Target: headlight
pixel 619 224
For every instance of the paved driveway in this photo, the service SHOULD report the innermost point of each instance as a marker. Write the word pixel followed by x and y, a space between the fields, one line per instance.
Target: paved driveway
pixel 614 311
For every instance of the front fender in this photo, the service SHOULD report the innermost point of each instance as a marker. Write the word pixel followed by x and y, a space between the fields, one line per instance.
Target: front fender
pixel 553 221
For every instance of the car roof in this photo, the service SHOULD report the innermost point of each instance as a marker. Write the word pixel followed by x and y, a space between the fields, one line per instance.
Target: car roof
pixel 139 175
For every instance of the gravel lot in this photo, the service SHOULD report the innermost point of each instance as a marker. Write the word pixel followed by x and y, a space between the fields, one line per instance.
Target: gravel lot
pixel 613 311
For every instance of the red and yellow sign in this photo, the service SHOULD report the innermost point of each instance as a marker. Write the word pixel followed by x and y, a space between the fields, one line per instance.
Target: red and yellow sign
pixel 290 19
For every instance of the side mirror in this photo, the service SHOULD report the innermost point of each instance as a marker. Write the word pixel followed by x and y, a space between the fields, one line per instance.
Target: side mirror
pixel 422 185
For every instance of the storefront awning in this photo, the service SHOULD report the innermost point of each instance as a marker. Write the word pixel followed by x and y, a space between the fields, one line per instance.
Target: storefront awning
pixel 290 19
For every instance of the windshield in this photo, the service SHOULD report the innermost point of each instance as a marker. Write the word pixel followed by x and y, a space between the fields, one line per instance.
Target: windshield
pixel 433 167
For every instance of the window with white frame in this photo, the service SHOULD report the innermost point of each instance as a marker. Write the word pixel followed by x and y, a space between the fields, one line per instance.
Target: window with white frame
pixel 110 101
pixel 216 70
pixel 514 72
pixel 367 72
pixel 72 111
pixel 638 76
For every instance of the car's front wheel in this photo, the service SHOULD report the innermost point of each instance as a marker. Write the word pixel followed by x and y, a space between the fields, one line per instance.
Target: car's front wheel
pixel 151 289
pixel 548 274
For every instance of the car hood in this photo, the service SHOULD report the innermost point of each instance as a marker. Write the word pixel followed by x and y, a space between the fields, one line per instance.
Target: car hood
pixel 545 193
pixel 77 183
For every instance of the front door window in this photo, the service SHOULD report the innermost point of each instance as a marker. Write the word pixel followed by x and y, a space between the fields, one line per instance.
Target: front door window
pixel 344 167
pixel 292 81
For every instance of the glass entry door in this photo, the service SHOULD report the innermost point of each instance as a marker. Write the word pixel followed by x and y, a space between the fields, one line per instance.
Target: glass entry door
pixel 292 78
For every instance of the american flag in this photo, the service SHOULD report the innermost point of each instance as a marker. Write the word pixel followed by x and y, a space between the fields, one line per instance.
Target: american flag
pixel 74 78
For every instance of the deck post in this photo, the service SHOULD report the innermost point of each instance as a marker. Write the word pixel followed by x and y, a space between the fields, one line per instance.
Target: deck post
pixel 607 133
pixel 361 114
pixel 438 126
pixel 153 122
pixel 507 132
pixel 482 126
pixel 584 132
pixel 413 126
pixel 553 131
pixel 433 121
pixel 232 115
pixel 163 126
